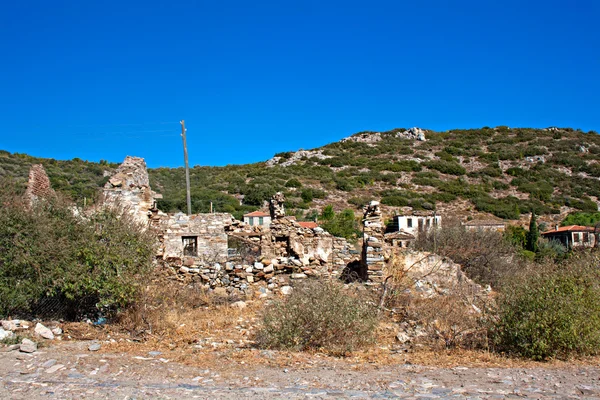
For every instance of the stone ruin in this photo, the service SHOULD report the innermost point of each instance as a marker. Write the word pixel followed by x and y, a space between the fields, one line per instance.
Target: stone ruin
pixel 129 187
pixel 215 250
pixel 38 185
pixel 276 206
pixel 373 242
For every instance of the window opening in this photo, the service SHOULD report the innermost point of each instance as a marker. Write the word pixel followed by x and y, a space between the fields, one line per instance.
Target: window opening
pixel 190 245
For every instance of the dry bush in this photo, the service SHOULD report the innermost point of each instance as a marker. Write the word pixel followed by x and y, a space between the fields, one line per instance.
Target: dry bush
pixel 319 315
pixel 163 306
pixel 485 255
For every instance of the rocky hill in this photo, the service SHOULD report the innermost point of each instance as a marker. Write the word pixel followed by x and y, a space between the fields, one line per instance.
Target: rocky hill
pixel 504 172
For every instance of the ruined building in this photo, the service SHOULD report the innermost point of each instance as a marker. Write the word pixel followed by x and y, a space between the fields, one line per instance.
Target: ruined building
pixel 129 187
pixel 216 250
pixel 38 185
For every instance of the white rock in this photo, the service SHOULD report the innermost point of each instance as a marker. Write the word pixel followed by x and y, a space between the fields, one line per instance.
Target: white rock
pixel 259 265
pixel 286 290
pixel 27 346
pixel 402 337
pixel 298 276
pixel 239 305
pixel 44 332
pixel 57 331
pixel 11 325
pixel 5 334
pixel 55 368
pixel 184 269
pixel 94 347
pixel 249 270
pixel 268 268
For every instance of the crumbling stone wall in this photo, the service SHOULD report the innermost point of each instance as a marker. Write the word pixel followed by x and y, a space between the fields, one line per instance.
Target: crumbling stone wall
pixel 129 188
pixel 373 243
pixel 38 185
pixel 318 251
pixel 209 231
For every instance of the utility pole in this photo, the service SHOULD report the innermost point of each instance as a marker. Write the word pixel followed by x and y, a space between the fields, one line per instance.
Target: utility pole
pixel 187 168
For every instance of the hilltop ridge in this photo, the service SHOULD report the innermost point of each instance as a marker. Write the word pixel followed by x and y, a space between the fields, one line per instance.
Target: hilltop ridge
pixel 504 172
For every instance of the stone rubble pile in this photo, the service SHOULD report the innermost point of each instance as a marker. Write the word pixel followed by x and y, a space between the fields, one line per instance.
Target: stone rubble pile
pixel 10 328
pixel 273 273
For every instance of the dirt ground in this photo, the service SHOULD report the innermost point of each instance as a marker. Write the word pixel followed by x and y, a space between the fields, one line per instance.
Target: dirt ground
pixel 206 352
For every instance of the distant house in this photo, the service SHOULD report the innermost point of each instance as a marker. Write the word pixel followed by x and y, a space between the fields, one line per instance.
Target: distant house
pixel 485 225
pixel 308 224
pixel 572 236
pixel 258 218
pixel 415 223
pixel 399 239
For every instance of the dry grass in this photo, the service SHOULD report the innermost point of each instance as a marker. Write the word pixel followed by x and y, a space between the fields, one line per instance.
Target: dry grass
pixel 205 331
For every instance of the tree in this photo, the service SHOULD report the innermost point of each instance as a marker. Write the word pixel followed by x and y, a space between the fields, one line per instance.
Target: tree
pixel 328 213
pixel 533 234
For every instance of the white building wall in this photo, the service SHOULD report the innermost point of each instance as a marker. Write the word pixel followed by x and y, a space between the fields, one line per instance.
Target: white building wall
pixel 414 223
pixel 255 221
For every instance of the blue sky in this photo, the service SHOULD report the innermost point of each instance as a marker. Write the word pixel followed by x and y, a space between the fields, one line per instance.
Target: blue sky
pixel 102 80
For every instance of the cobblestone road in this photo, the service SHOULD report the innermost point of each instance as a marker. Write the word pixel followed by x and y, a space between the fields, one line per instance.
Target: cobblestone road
pixel 72 372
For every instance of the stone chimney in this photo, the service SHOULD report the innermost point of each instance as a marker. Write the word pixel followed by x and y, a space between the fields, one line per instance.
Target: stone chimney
pixel 38 185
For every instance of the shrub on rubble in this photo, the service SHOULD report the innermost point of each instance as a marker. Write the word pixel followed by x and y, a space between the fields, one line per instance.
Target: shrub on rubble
pixel 318 315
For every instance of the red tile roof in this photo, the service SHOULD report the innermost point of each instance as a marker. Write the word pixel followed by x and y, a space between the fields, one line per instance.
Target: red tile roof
pixel 570 228
pixel 308 224
pixel 257 214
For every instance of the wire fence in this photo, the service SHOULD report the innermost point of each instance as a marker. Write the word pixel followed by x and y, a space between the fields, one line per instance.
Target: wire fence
pixel 61 308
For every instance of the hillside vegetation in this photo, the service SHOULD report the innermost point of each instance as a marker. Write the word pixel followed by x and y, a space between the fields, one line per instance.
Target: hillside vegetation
pixel 502 171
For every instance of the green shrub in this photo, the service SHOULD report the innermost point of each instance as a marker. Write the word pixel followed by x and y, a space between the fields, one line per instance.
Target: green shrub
pixel 581 218
pixel 343 184
pixel 446 167
pixel 551 313
pixel 342 224
pixel 49 255
pixel 293 183
pixel 318 315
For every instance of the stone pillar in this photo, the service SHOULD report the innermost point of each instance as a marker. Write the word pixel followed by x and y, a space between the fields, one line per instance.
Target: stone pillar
pixel 372 252
pixel 38 186
pixel 276 206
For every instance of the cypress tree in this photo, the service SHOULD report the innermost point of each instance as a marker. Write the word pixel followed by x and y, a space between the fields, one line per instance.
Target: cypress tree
pixel 533 234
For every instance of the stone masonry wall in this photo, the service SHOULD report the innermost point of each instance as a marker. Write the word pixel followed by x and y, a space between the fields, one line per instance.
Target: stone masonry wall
pixel 38 185
pixel 209 229
pixel 129 188
pixel 373 242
